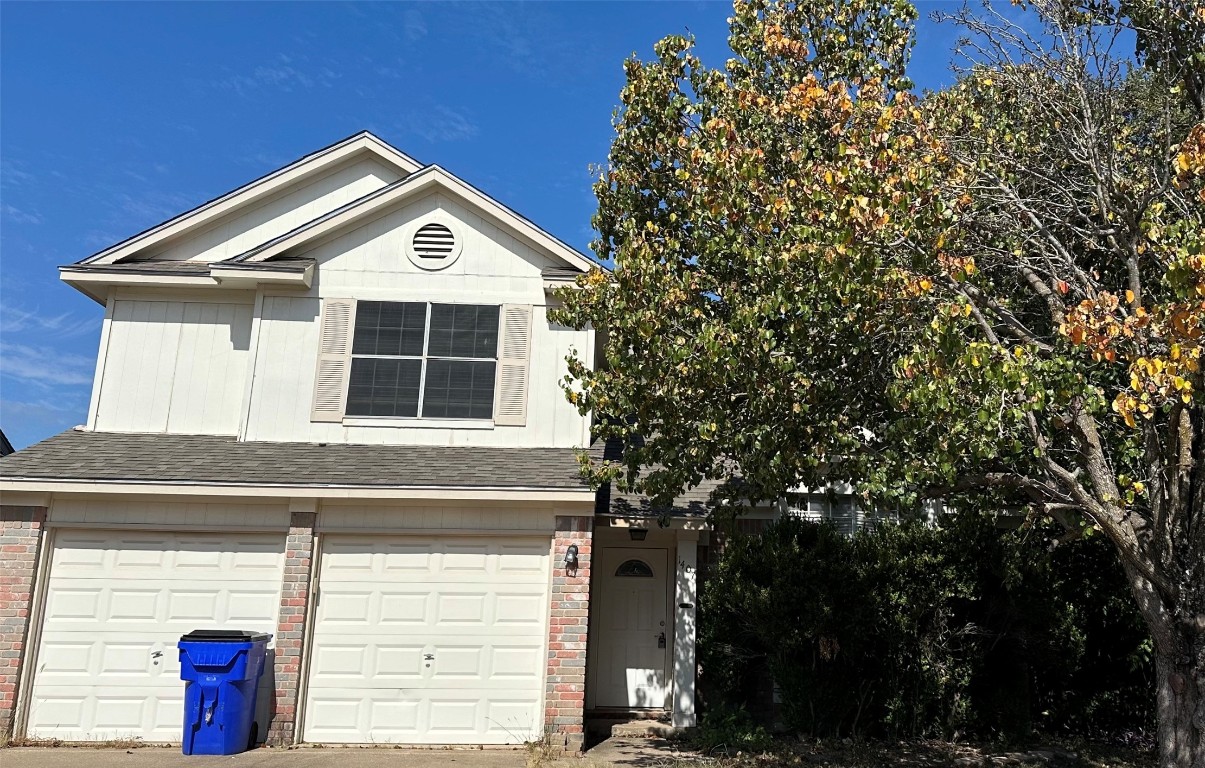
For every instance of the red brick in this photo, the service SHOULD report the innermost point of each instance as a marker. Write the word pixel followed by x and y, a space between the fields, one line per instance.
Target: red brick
pixel 21 530
pixel 565 691
pixel 294 598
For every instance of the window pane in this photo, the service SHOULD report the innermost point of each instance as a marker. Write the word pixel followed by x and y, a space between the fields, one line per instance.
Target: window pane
pixel 383 387
pixel 463 330
pixel 459 389
pixel 389 328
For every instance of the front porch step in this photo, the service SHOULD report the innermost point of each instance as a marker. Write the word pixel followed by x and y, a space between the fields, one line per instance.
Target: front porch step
pixel 644 729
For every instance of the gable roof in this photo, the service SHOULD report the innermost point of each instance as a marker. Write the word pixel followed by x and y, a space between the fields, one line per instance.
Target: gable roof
pixel 359 143
pixel 429 179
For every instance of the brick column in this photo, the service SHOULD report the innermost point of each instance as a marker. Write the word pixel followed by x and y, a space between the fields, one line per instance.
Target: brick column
pixel 290 627
pixel 565 693
pixel 21 536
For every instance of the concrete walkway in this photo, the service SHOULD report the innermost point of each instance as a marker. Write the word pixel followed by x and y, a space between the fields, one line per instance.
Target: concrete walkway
pixel 631 752
pixel 304 757
pixel 618 751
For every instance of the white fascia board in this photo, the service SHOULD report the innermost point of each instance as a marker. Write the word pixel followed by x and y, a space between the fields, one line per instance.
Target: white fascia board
pixel 43 485
pixel 257 190
pixel 516 222
pixel 431 177
pixel 96 285
pixel 233 275
pixel 553 284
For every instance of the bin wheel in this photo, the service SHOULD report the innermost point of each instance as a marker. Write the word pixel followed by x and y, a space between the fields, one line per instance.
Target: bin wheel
pixel 254 737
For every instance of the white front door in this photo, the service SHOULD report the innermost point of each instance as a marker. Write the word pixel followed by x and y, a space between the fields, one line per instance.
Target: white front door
pixel 116 605
pixel 429 640
pixel 630 658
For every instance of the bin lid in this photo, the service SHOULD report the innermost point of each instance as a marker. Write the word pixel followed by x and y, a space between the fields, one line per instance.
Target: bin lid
pixel 225 636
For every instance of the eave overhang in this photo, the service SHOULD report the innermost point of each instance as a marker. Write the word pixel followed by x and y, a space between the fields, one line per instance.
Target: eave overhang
pixel 97 281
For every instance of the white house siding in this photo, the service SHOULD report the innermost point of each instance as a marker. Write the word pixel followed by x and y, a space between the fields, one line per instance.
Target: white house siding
pixel 370 263
pixel 174 366
pixel 159 513
pixel 236 233
pixel 362 517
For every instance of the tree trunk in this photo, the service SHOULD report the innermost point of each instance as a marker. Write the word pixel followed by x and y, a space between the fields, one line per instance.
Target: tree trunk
pixel 1179 676
pixel 1180 706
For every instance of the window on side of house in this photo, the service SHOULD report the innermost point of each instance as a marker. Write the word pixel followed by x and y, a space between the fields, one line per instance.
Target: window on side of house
pixel 420 360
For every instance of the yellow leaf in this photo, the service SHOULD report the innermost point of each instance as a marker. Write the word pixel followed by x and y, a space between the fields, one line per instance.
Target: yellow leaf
pixel 1130 296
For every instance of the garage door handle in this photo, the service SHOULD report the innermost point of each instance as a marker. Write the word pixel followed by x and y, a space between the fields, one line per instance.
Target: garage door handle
pixel 428 657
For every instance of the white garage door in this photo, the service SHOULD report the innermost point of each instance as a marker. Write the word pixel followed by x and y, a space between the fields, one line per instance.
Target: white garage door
pixel 116 605
pixel 422 640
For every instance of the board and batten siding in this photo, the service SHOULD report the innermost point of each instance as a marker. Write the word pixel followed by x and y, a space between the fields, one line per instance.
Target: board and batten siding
pixel 174 366
pixel 236 234
pixel 370 263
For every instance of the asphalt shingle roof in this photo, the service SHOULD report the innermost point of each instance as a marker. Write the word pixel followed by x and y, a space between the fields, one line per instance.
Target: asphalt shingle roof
pixel 119 456
pixel 200 268
pixel 692 502
pixel 560 272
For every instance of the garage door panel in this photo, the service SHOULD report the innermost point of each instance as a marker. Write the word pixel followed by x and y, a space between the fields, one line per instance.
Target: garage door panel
pixel 452 633
pixel 70 716
pixel 344 716
pixel 511 663
pixel 117 604
pixel 178 557
pixel 508 719
pixel 166 606
pixel 366 662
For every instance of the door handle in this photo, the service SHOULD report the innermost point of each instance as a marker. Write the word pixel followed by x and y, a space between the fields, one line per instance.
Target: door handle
pixel 428 657
pixel 661 640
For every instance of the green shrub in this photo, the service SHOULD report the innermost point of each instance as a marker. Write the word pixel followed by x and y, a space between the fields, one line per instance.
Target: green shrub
pixel 910 630
pixel 732 729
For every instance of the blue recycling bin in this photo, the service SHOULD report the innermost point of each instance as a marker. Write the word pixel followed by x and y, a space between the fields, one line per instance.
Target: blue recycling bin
pixel 221 669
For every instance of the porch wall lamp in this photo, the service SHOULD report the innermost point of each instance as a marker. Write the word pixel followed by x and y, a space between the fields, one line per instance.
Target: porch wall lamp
pixel 571 557
pixel 638 534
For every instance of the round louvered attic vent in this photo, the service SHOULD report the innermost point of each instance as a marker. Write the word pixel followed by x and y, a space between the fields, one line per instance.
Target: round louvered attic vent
pixel 434 241
pixel 434 244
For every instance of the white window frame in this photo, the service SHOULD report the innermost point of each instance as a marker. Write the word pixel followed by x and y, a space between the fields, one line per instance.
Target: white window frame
pixel 368 420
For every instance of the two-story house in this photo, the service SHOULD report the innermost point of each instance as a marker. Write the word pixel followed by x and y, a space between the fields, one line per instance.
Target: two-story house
pixel 328 406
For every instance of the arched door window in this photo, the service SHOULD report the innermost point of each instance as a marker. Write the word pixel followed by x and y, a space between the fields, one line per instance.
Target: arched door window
pixel 634 569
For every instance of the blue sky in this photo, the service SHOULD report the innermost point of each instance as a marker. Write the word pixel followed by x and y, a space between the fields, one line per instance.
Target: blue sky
pixel 117 116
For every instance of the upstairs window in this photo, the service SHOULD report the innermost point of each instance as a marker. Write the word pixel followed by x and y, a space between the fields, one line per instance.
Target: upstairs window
pixel 420 360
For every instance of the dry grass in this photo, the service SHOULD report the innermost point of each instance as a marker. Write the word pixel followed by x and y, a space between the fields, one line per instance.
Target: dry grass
pixel 925 754
pixel 126 743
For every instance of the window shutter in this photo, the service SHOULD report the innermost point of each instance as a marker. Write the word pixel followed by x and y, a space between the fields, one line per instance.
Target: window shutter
pixel 510 399
pixel 334 360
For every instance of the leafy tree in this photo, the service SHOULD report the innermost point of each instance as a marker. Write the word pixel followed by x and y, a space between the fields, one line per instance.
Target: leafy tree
pixel 998 289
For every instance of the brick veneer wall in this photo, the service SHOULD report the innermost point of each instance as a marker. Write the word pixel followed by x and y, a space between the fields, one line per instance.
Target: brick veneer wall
pixel 565 694
pixel 21 535
pixel 290 627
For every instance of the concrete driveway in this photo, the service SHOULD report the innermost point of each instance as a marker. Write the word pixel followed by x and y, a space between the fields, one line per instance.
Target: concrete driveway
pixel 304 757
